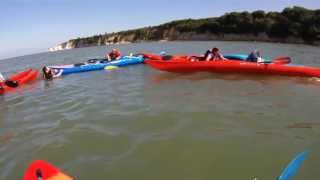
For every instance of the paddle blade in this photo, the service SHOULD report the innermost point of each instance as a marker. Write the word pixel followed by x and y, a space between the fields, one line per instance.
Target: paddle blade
pixel 45 171
pixel 111 67
pixel 293 166
pixel 281 60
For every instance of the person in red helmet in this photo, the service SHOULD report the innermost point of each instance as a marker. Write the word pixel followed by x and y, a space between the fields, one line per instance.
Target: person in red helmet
pixel 113 55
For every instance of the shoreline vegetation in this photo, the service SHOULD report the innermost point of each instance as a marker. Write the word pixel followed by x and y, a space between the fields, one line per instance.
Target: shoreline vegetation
pixel 296 25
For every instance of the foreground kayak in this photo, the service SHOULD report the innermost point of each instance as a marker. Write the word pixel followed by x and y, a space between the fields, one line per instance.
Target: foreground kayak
pixel 96 65
pixel 183 64
pixel 21 78
pixel 43 170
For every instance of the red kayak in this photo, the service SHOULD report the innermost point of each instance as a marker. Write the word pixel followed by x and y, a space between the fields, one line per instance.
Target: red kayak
pixel 182 64
pixel 43 170
pixel 21 78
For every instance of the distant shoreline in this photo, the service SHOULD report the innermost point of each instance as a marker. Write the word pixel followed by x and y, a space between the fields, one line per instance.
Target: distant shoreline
pixel 44 52
pixel 296 25
pixel 239 39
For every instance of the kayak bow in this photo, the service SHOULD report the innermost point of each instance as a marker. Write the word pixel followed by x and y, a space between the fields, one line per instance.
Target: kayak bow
pixel 42 170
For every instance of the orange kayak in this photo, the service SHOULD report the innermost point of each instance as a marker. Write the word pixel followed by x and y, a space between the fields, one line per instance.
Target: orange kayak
pixel 22 78
pixel 183 64
pixel 43 170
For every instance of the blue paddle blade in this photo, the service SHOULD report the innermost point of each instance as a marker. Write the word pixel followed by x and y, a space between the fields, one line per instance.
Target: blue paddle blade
pixel 293 166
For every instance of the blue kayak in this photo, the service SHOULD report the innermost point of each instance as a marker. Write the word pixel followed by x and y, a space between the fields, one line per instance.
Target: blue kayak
pixel 94 65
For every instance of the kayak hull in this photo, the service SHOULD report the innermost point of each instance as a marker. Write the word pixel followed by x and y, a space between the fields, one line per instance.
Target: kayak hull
pixel 22 78
pixel 70 69
pixel 232 66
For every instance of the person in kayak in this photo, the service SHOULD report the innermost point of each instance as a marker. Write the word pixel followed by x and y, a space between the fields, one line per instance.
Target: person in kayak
pixel 49 74
pixel 255 56
pixel 113 55
pixel 213 55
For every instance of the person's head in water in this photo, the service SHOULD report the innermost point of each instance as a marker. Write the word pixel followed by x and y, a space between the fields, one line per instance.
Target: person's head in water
pixel 47 74
pixel 45 69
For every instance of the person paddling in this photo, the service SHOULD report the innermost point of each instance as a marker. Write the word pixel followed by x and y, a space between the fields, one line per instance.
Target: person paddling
pixel 213 55
pixel 113 55
pixel 255 56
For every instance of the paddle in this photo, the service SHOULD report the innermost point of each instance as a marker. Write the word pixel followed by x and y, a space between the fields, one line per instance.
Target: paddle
pixel 278 60
pixel 293 166
pixel 282 60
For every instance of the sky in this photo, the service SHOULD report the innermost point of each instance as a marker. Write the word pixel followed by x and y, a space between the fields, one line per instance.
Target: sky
pixel 33 26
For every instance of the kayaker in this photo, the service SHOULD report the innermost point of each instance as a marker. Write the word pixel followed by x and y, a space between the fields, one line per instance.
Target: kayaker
pixel 49 74
pixel 214 55
pixel 255 56
pixel 113 55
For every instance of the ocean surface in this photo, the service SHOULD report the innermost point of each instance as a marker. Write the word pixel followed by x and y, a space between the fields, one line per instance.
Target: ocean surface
pixel 136 123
